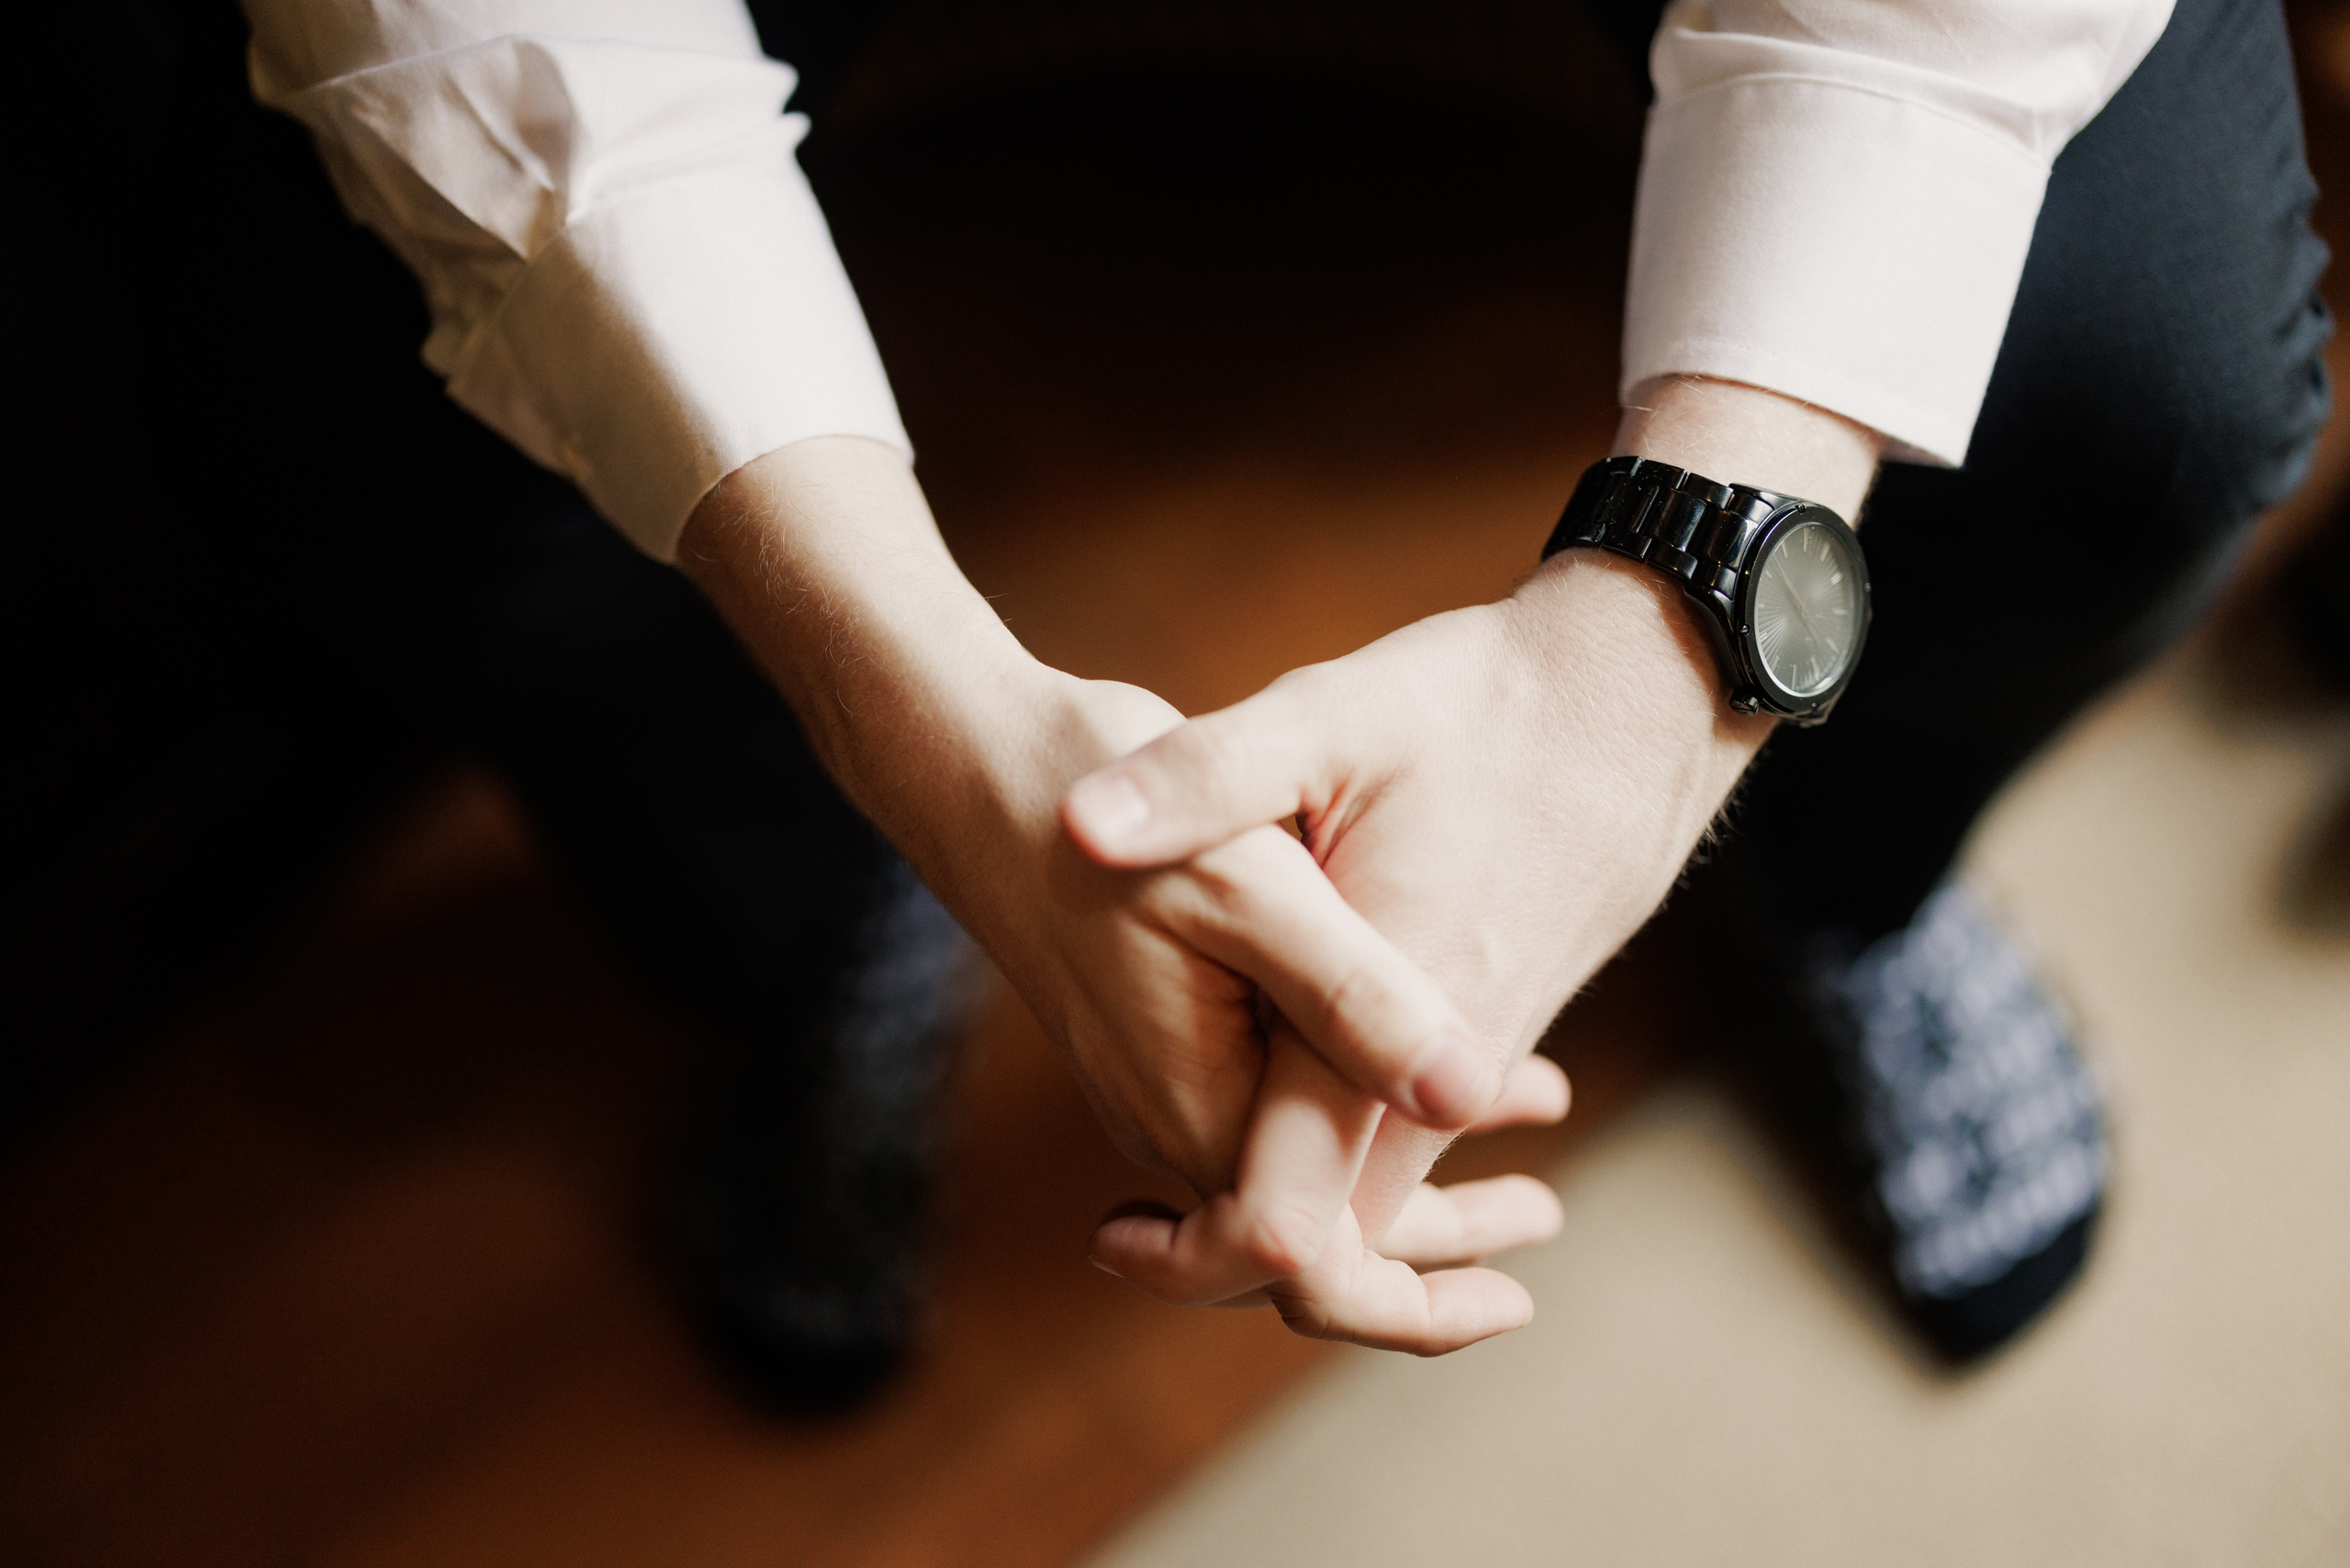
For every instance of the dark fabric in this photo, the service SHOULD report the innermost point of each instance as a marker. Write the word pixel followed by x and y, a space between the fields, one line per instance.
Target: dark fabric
pixel 823 42
pixel 303 578
pixel 2160 384
pixel 272 577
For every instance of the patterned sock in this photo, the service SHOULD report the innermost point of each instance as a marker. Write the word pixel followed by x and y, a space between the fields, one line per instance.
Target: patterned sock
pixel 1978 1125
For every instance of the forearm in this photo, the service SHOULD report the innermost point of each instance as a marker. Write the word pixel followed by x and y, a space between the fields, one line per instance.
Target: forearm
pixel 824 558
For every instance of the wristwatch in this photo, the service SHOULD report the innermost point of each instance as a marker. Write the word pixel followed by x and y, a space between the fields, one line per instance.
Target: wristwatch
pixel 1778 581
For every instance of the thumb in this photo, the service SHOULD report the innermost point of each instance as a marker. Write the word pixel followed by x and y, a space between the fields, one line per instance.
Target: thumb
pixel 1201 784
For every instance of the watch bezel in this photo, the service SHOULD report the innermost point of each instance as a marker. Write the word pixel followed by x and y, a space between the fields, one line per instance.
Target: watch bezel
pixel 1767 693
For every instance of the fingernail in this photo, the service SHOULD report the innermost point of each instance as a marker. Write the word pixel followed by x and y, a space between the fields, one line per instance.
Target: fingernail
pixel 1103 1267
pixel 1458 1082
pixel 1110 806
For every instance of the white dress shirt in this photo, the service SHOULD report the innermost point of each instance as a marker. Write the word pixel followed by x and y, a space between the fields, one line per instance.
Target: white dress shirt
pixel 629 279
pixel 1836 196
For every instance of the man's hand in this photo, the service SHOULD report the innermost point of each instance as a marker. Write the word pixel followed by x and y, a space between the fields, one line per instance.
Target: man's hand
pixel 1508 792
pixel 824 558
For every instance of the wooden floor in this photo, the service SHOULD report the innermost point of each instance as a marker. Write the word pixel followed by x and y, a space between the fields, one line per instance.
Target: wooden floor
pixel 356 1270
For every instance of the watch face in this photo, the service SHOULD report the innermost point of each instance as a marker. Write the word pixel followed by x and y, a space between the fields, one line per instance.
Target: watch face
pixel 1806 608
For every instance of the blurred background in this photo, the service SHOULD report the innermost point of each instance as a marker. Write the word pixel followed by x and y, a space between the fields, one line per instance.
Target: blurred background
pixel 1230 340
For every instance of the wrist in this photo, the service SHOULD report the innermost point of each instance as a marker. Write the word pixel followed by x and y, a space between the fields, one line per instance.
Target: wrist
pixel 1591 604
pixel 1738 434
pixel 1592 623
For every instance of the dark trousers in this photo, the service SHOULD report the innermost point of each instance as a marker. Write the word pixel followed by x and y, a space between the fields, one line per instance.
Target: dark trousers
pixel 2160 385
pixel 267 576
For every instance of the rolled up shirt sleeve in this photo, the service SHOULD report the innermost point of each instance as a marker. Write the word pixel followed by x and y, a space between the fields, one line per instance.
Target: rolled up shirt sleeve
pixel 1836 197
pixel 627 273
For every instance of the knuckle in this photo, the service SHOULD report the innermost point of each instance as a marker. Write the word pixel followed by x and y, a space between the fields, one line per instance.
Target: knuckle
pixel 1221 755
pixel 1238 881
pixel 1299 696
pixel 1352 1005
pixel 1252 890
pixel 1305 1315
pixel 1281 1240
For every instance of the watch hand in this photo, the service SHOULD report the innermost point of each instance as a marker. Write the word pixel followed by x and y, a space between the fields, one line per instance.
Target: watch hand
pixel 1794 597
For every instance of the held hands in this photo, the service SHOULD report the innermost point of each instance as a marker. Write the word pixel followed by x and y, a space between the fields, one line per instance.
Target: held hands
pixel 1492 800
pixel 1150 979
pixel 1506 792
pixel 824 558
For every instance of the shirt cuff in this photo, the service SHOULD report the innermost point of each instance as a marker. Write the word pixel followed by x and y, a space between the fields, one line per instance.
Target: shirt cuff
pixel 674 332
pixel 1835 243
